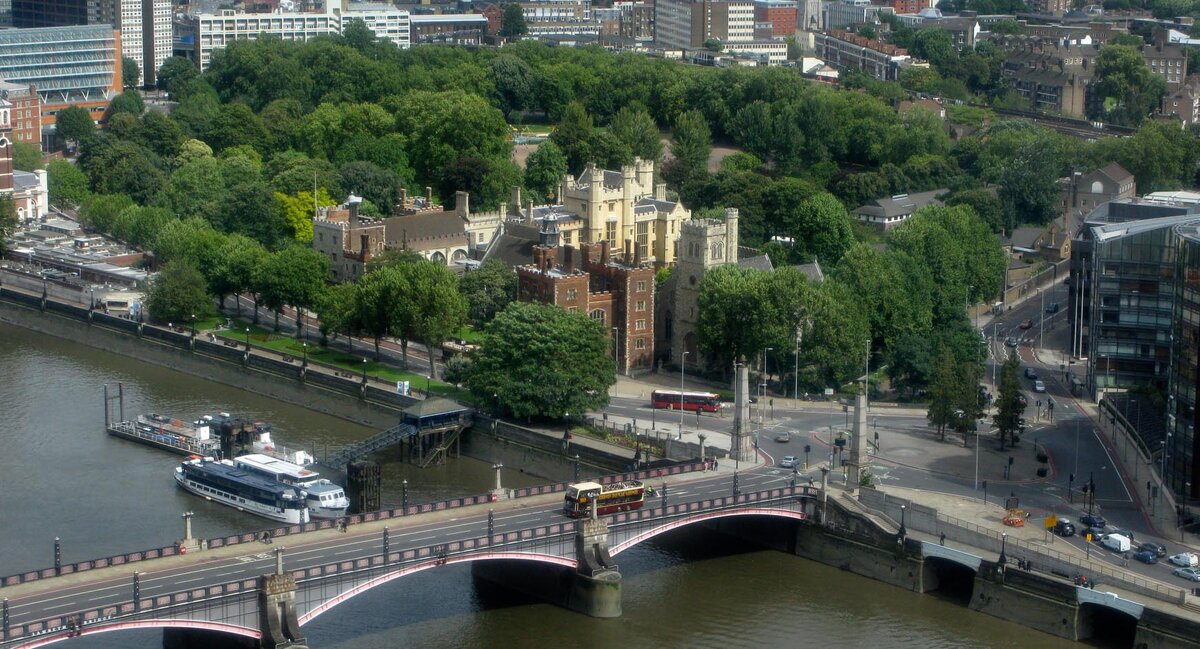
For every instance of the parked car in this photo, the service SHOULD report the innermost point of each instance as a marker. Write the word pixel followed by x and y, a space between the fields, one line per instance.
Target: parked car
pixel 1038 386
pixel 789 461
pixel 1064 527
pixel 1191 574
pixel 1146 556
pixel 1052 307
pixel 1010 341
pixel 1030 373
pixel 783 437
pixel 1093 520
pixel 1116 542
pixel 1158 549
pixel 1185 559
pixel 1026 324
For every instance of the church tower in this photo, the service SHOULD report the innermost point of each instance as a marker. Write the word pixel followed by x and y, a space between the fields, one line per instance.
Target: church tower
pixel 704 244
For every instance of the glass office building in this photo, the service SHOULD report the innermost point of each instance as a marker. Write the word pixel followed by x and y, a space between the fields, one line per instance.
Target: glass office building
pixel 1183 460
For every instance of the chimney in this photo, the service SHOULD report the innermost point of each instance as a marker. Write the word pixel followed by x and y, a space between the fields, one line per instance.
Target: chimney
pixel 428 195
pixel 462 203
pixel 403 198
pixel 604 253
pixel 352 205
pixel 627 256
pixel 516 196
pixel 660 191
pixel 569 258
pixel 365 243
pixel 529 212
pixel 637 256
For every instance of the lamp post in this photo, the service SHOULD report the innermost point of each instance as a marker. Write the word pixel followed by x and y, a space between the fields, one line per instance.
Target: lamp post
pixel 867 374
pixel 1041 317
pixel 1003 546
pixel 617 351
pixel 364 366
pixel 305 347
pixel 762 388
pixel 247 339
pixel 796 372
pixel 193 325
pixel 903 532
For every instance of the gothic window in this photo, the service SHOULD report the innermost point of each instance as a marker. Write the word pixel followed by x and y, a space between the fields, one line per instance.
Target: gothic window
pixel 438 257
pixel 641 286
pixel 610 232
pixel 573 309
pixel 640 343
pixel 640 325
pixel 717 250
pixel 1097 187
pixel 597 314
pixel 643 239
pixel 572 294
pixel 641 305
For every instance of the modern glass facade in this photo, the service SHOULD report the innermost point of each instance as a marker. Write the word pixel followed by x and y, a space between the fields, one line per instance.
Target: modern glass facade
pixel 49 13
pixel 1132 282
pixel 1183 458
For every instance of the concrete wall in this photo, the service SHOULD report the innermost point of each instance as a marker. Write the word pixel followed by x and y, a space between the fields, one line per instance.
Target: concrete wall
pixel 1031 600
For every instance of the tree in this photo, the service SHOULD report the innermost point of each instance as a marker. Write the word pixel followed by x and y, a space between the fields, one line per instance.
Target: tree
pixel 636 128
pixel 337 312
pixel 197 189
pixel 26 157
pixel 1008 405
pixel 160 134
pixel 691 144
pixel 820 227
pixel 538 360
pixel 573 135
pixel 487 289
pixel 735 305
pixel 193 240
pixel 942 398
pixel 441 309
pixel 297 211
pixel 74 123
pixel 515 82
pixel 372 182
pixel 544 170
pixel 294 276
pixel 358 35
pixel 174 72
pixel 512 22
pixel 380 307
pixel 68 185
pixel 1130 90
pixel 177 293
pixel 129 101
pixel 237 261
pixel 130 72
pixel 8 220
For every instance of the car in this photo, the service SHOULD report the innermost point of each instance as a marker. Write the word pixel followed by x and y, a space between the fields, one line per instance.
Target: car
pixel 1146 556
pixel 1064 527
pixel 1052 307
pixel 1185 559
pixel 789 462
pixel 783 437
pixel 1030 373
pixel 1158 549
pixel 1096 533
pixel 1026 324
pixel 1191 574
pixel 1093 520
pixel 1038 386
pixel 1010 342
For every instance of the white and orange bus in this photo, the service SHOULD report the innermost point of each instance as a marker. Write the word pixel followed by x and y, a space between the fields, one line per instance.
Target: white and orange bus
pixel 616 497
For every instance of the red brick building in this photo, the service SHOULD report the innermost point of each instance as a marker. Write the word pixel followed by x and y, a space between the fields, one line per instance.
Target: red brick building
pixel 591 281
pixel 26 112
pixel 780 13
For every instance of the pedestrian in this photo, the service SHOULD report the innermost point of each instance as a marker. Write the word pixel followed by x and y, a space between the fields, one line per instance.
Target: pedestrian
pixel 942 539
pixel 715 465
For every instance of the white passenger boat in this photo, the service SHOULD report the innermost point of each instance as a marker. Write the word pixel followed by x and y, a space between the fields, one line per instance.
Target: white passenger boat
pixel 324 498
pixel 224 482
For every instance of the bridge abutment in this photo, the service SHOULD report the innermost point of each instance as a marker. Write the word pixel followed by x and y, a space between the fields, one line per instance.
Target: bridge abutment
pixel 277 613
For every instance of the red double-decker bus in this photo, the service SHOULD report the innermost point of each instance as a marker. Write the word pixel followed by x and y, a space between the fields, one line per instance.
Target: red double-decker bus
pixel 676 400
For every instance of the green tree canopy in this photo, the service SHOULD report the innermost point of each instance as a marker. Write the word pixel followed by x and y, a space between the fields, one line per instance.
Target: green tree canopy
pixel 537 360
pixel 691 144
pixel 512 21
pixel 293 276
pixel 636 129
pixel 488 289
pixel 544 170
pixel 130 72
pixel 178 293
pixel 74 123
pixel 26 157
pixel 68 185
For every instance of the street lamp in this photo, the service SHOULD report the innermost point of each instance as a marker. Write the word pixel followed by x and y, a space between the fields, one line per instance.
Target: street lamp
pixel 193 325
pixel 617 350
pixel 305 346
pixel 763 384
pixel 903 532
pixel 364 366
pixel 1003 546
pixel 247 339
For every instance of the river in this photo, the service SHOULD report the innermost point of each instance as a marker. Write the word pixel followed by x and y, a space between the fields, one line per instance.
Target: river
pixel 61 475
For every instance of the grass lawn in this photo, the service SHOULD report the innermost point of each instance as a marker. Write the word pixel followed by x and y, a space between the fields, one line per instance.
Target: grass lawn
pixel 469 334
pixel 287 344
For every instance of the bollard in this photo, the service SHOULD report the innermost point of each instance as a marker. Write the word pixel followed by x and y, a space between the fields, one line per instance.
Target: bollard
pixel 137 591
pixel 404 494
pixel 386 543
pixel 491 525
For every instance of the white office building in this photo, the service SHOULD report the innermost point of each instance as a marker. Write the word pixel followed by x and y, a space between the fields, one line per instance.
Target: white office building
pixel 146 31
pixel 215 31
pixel 687 24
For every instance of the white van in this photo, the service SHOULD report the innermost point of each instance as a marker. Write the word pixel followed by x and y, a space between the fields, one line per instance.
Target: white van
pixel 1116 542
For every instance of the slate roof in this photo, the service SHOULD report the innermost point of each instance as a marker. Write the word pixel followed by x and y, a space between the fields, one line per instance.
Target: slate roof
pixel 431 228
pixel 901 204
pixel 514 246
pixel 752 258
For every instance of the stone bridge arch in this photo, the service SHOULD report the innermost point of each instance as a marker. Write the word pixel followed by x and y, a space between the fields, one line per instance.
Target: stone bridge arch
pixel 310 613
pixel 679 523
pixel 1108 616
pixel 226 635
pixel 949 571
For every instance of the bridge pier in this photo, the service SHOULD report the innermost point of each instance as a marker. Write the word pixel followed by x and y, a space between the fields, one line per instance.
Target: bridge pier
pixel 593 588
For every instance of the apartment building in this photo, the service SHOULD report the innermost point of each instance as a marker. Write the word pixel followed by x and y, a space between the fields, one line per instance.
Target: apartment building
pixel 687 24
pixel 849 51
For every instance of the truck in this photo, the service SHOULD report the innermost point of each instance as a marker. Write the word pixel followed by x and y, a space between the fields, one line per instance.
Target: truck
pixel 1116 542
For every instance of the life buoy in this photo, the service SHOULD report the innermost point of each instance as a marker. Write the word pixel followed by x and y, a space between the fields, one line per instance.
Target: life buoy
pixel 182 549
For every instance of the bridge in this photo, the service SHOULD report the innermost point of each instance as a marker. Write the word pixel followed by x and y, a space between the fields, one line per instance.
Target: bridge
pixel 238 591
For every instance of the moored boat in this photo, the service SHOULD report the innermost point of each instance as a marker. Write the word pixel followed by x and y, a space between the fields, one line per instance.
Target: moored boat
pixel 224 482
pixel 324 498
